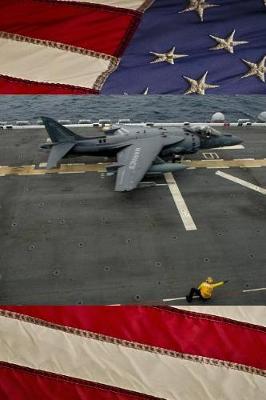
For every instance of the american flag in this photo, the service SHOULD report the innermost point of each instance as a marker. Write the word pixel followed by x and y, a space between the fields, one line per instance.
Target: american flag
pixel 132 352
pixel 133 46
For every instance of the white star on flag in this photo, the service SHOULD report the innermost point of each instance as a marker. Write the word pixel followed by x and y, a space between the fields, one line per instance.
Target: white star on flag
pixel 198 86
pixel 199 6
pixel 227 43
pixel 258 69
pixel 169 56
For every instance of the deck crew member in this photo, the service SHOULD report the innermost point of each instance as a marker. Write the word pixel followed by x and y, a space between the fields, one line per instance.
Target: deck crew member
pixel 205 289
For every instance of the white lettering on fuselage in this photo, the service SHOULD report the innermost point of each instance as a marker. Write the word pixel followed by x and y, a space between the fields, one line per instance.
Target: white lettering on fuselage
pixel 133 162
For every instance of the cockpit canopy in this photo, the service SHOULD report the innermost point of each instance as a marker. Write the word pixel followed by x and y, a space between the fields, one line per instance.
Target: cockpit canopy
pixel 204 131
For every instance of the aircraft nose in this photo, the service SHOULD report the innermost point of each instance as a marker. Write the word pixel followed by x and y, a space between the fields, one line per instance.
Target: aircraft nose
pixel 232 140
pixel 236 140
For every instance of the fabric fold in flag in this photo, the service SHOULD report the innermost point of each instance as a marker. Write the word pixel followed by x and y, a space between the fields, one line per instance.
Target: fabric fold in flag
pixel 19 383
pixel 93 28
pixel 139 5
pixel 114 347
pixel 54 63
pixel 9 85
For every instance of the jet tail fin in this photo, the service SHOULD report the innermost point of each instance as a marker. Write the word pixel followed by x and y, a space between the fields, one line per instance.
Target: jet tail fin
pixel 59 133
pixel 57 152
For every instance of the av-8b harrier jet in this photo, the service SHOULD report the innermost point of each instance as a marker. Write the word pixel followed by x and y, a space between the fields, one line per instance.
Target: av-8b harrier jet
pixel 138 150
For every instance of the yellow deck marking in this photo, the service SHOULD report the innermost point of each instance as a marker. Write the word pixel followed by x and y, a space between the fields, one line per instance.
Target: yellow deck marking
pixel 64 168
pixel 25 170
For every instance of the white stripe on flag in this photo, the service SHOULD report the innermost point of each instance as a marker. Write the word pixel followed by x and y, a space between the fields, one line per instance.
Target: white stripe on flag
pixel 41 63
pixel 251 314
pixel 47 349
pixel 129 4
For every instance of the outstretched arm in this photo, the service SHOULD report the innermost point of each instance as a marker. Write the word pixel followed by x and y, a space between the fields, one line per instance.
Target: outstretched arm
pixel 214 285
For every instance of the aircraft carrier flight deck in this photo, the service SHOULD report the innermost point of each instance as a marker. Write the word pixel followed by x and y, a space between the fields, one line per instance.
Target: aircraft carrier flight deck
pixel 68 238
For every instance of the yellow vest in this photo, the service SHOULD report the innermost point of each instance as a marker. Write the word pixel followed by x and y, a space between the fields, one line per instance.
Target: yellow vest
pixel 206 288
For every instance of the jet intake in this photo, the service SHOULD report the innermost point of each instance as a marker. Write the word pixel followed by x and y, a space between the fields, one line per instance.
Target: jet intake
pixel 166 167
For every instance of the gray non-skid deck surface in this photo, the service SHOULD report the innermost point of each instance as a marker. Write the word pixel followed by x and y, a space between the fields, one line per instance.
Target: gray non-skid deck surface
pixel 71 239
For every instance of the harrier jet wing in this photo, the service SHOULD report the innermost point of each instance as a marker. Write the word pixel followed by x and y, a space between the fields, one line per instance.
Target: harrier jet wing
pixel 136 159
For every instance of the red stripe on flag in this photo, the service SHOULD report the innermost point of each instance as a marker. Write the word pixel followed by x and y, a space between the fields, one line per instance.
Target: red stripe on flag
pixel 171 329
pixel 10 85
pixel 19 383
pixel 93 27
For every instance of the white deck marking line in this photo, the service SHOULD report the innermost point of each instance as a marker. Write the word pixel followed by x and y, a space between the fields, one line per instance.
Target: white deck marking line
pixel 236 147
pixel 180 203
pixel 253 290
pixel 179 298
pixel 67 165
pixel 217 166
pixel 175 298
pixel 71 172
pixel 243 159
pixel 197 297
pixel 241 182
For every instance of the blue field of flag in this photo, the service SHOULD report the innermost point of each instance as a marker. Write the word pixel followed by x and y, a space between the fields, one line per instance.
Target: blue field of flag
pixel 195 47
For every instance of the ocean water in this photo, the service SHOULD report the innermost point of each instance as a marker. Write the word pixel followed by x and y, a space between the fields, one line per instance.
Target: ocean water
pixel 137 108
